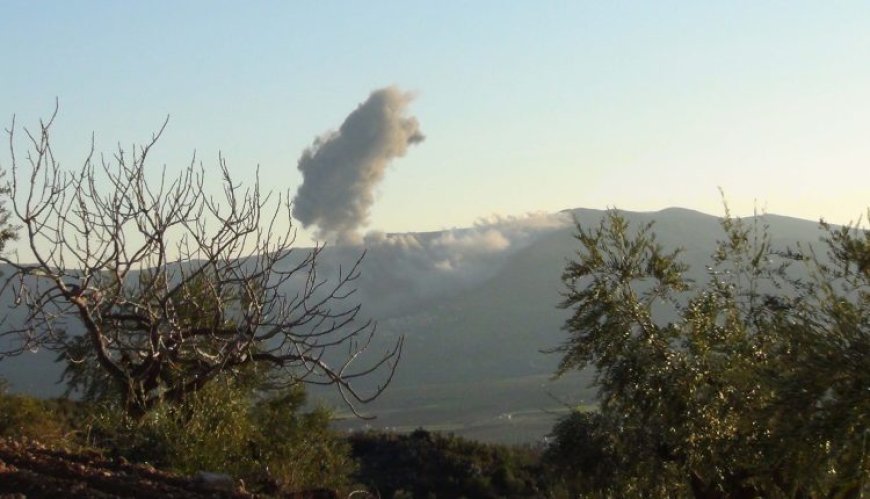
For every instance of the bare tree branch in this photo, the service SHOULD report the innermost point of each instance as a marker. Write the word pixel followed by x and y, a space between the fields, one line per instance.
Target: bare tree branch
pixel 163 288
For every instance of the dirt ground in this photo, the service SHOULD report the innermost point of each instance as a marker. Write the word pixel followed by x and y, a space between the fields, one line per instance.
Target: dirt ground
pixel 32 470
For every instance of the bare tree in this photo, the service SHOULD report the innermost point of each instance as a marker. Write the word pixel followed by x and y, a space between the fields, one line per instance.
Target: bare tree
pixel 162 287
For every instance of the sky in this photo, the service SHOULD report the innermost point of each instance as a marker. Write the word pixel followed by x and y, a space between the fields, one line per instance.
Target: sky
pixel 525 106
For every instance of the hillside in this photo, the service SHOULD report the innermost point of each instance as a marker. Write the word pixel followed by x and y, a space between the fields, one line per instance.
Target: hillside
pixel 473 361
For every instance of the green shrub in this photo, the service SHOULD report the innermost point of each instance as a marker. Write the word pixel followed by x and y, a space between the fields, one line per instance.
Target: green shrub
pixel 579 461
pixel 224 428
pixel 750 383
pixel 299 449
pixel 210 431
pixel 23 416
pixel 424 464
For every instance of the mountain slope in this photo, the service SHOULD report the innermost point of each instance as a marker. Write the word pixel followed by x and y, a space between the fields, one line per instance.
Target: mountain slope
pixel 473 360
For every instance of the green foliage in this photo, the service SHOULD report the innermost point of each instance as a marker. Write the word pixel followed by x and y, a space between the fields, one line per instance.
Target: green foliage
pixel 210 431
pixel 49 421
pixel 230 425
pixel 299 449
pixel 22 416
pixel 579 460
pixel 754 383
pixel 424 464
pixel 225 428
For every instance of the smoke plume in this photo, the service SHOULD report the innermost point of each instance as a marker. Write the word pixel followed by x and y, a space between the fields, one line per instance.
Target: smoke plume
pixel 402 272
pixel 341 169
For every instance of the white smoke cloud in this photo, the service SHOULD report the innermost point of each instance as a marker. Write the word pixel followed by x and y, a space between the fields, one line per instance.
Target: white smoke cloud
pixel 403 272
pixel 403 269
pixel 340 172
pixel 341 169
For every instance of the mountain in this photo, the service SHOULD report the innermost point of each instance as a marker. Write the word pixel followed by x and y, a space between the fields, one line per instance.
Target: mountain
pixel 477 306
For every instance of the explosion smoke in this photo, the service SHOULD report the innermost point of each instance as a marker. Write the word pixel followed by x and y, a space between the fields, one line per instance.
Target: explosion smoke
pixel 341 169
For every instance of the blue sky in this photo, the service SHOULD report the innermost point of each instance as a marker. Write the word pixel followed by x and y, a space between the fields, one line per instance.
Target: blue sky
pixel 526 106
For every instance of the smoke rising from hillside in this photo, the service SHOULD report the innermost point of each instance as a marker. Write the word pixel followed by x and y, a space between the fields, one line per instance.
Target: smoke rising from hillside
pixel 401 270
pixel 341 168
pixel 340 172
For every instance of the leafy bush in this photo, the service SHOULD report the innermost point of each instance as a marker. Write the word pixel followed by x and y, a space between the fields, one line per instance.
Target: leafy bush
pixel 298 449
pixel 424 464
pixel 210 431
pixel 223 428
pixel 579 459
pixel 757 386
pixel 49 421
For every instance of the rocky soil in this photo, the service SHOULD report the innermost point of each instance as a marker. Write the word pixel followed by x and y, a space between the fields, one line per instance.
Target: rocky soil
pixel 30 469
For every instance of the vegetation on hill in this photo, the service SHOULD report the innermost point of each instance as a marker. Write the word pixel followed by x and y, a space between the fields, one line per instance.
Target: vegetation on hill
pixel 752 382
pixel 426 464
pixel 758 388
pixel 25 417
pixel 270 442
pixel 271 445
